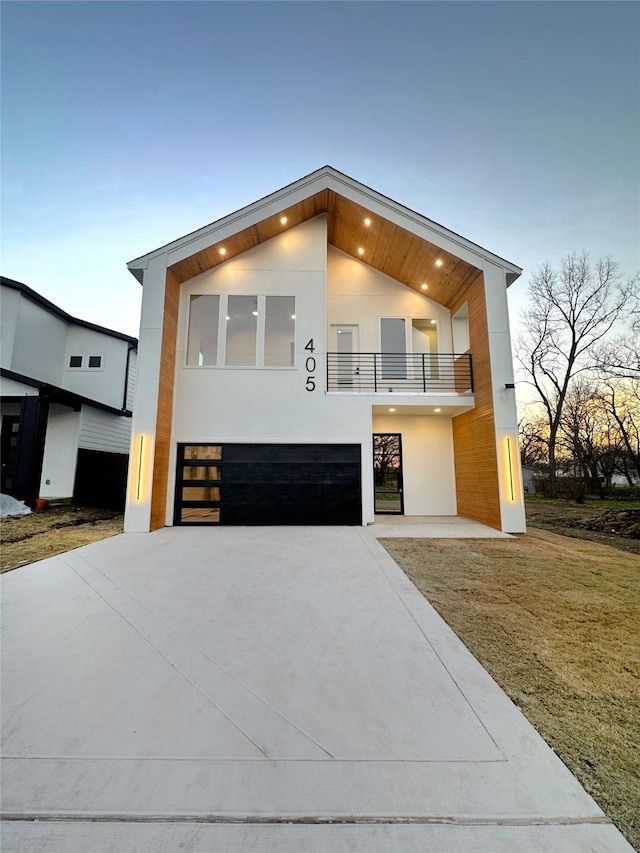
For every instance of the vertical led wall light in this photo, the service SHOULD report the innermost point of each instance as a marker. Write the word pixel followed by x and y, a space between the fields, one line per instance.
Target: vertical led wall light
pixel 139 478
pixel 510 470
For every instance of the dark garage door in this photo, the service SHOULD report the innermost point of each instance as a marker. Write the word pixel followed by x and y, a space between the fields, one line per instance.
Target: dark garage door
pixel 268 484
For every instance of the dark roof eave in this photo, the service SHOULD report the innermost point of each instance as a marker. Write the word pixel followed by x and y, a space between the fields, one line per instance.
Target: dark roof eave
pixel 31 294
pixel 62 394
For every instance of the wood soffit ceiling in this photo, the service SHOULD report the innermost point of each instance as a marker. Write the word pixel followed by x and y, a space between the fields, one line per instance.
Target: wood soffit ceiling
pixel 387 247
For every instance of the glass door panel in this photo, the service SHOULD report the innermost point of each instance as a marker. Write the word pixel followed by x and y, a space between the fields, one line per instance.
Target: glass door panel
pixel 387 474
pixel 346 341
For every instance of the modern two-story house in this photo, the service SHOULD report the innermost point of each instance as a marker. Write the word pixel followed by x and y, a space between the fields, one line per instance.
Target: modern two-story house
pixel 66 394
pixel 318 357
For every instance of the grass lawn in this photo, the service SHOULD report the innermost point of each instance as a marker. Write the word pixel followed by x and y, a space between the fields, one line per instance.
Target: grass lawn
pixel 556 621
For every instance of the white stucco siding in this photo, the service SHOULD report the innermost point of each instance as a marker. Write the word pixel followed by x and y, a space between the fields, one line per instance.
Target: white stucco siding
pixel 39 343
pixel 427 462
pixel 12 388
pixel 105 383
pixel 8 317
pixel 103 431
pixel 359 295
pixel 60 452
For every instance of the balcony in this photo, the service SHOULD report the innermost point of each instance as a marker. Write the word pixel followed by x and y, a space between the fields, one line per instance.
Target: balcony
pixel 399 373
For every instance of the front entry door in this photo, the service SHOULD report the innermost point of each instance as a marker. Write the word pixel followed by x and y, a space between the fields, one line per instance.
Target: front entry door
pixel 387 474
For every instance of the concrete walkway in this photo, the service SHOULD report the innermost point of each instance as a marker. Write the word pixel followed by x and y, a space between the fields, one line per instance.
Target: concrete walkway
pixel 263 689
pixel 432 527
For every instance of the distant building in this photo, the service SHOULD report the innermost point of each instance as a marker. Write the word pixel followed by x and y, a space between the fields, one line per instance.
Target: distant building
pixel 66 395
pixel 528 479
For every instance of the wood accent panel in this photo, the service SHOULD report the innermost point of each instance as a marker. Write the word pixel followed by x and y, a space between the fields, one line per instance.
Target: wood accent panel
pixel 387 247
pixel 250 237
pixel 474 434
pixel 165 403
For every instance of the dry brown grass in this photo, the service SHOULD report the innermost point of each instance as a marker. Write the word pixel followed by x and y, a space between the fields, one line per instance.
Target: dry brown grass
pixel 28 538
pixel 555 621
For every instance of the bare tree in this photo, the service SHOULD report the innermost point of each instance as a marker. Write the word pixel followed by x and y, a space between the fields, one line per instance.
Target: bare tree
pixel 621 400
pixel 620 356
pixel 571 310
pixel 532 437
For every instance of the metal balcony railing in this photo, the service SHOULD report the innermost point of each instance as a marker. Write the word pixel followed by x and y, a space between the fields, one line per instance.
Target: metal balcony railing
pixel 399 373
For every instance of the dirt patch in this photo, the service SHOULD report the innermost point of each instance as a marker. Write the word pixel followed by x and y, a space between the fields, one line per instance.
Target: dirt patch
pixel 555 621
pixel 618 527
pixel 29 538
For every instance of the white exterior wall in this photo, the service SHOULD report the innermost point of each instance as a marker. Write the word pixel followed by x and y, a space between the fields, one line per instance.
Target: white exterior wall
pixel 504 401
pixel 103 431
pixel 39 343
pixel 60 453
pixel 12 388
pixel 8 318
pixel 428 470
pixel 360 295
pixel 105 383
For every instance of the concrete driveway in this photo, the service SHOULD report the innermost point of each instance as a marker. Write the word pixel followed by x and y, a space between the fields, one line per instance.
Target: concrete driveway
pixel 262 689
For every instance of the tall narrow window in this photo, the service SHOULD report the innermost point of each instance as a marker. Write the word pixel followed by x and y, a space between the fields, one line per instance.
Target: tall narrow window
pixel 460 325
pixel 279 331
pixel 202 345
pixel 242 325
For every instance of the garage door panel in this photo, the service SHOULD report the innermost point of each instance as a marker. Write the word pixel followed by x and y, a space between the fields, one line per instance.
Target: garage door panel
pixel 269 484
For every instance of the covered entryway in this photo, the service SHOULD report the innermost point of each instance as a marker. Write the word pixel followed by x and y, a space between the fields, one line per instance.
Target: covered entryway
pixel 268 484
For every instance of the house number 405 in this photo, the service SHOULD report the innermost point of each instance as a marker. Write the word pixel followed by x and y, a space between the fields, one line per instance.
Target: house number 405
pixel 310 367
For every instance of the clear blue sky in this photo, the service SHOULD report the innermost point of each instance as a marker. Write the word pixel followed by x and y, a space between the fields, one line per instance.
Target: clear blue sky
pixel 128 124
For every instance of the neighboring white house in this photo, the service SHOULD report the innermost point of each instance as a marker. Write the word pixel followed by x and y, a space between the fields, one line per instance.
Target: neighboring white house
pixel 66 394
pixel 320 356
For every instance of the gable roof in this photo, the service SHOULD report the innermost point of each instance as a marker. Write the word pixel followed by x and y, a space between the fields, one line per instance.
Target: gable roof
pixel 399 242
pixel 34 296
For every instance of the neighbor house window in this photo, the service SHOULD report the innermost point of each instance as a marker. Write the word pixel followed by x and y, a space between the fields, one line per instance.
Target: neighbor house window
pixel 75 361
pixel 202 341
pixel 279 331
pixel 95 361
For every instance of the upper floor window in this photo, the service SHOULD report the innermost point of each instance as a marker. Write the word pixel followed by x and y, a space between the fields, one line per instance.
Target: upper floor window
pixel 241 330
pixel 95 361
pixel 202 343
pixel 75 361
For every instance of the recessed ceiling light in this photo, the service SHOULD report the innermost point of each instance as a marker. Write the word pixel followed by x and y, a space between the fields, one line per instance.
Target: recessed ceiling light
pixel 222 251
pixel 424 286
pixel 433 322
pixel 361 251
pixel 367 222
pixel 283 220
pixel 392 410
pixel 439 263
pixel 437 410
